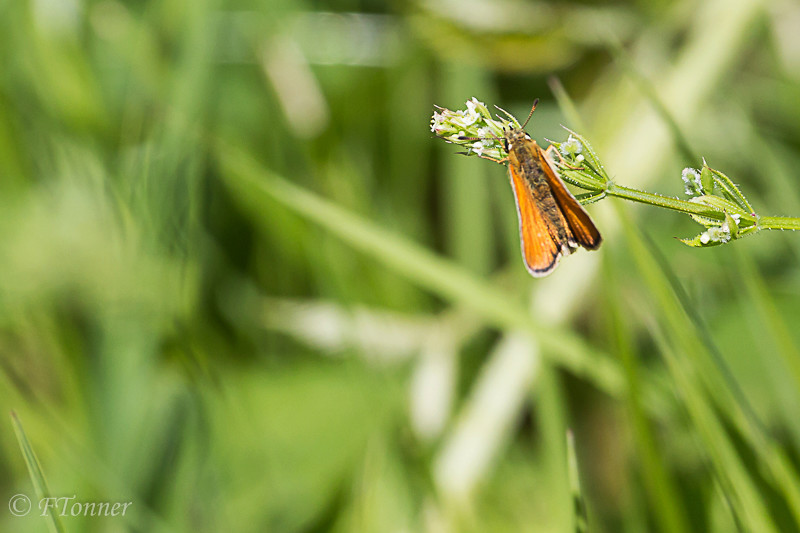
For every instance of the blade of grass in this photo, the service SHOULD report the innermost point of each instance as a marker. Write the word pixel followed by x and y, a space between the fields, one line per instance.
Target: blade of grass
pixel 550 404
pixel 581 518
pixel 771 319
pixel 36 474
pixel 772 328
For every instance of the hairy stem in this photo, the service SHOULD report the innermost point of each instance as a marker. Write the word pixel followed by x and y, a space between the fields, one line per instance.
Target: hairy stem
pixel 667 202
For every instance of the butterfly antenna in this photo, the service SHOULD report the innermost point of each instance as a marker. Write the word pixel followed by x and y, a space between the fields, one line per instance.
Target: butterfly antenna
pixel 535 103
pixel 463 138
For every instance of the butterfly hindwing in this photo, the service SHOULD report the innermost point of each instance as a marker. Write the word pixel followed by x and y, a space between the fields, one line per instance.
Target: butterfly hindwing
pixel 580 224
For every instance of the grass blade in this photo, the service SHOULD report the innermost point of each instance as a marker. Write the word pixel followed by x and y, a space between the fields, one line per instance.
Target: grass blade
pixel 581 520
pixel 36 474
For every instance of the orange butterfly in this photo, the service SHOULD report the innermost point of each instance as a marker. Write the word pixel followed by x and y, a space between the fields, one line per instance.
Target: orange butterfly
pixel 552 223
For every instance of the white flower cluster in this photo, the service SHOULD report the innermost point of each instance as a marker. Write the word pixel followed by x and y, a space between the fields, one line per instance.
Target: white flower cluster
pixel 473 128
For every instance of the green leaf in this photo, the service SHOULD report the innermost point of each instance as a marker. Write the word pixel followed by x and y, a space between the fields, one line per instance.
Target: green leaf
pixel 583 178
pixel 706 179
pixel 720 204
pixel 726 206
pixel 590 197
pixel 733 226
pixel 701 241
pixel 730 190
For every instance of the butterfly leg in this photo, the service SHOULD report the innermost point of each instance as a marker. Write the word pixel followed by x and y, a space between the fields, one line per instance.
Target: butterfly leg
pixel 501 161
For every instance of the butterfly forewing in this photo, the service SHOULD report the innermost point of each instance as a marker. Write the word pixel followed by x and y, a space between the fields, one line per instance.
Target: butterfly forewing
pixel 539 250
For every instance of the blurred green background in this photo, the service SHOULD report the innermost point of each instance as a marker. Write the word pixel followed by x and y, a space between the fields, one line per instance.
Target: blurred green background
pixel 243 287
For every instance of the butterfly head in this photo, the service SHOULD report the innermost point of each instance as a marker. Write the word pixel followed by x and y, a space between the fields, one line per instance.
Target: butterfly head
pixel 515 138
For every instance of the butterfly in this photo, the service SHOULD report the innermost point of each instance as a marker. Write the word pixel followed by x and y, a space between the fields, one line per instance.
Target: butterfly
pixel 552 223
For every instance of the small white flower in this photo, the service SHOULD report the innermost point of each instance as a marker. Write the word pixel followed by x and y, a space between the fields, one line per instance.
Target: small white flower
pixel 719 233
pixel 691 181
pixel 470 119
pixel 697 182
pixel 472 106
pixel 705 237
pixel 435 122
pixel 736 218
pixel 727 229
pixel 571 147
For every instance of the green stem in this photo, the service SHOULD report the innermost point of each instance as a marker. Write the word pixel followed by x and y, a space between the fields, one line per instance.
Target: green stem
pixel 684 206
pixel 792 223
pixel 691 208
